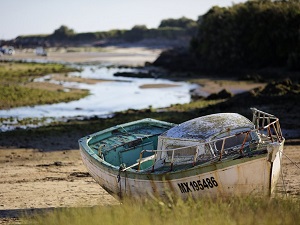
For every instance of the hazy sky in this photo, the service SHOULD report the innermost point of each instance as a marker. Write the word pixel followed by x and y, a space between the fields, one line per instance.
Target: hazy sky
pixel 21 17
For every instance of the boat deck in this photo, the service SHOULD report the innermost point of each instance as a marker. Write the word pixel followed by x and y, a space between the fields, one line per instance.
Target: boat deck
pixel 124 144
pixel 122 137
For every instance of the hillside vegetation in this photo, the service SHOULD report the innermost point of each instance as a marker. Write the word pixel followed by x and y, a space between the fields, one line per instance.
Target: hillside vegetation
pixel 249 36
pixel 254 34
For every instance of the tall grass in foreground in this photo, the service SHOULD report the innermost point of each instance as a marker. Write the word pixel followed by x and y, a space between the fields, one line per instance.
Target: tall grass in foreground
pixel 206 211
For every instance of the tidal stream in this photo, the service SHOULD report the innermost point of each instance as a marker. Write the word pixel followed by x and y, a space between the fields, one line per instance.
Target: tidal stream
pixel 112 95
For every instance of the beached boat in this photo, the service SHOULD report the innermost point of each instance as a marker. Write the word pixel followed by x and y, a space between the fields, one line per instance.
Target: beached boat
pixel 222 154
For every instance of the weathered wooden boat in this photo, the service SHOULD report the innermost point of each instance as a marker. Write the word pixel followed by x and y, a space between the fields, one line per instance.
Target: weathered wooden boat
pixel 221 154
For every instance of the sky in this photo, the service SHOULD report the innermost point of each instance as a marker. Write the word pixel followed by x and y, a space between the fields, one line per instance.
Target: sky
pixel 24 17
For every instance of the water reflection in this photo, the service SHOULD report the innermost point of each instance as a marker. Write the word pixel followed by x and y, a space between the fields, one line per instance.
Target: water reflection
pixel 106 97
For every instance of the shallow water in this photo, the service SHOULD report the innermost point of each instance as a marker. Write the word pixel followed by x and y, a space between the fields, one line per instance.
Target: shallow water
pixel 105 97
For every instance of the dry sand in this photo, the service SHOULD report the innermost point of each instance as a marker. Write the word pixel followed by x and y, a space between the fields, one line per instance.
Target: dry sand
pixel 289 183
pixel 33 179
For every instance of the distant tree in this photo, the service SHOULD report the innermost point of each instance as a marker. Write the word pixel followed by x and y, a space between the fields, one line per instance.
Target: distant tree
pixel 189 25
pixel 137 33
pixel 140 28
pixel 182 22
pixel 63 32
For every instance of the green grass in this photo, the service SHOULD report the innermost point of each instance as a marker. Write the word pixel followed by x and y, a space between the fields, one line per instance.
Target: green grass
pixel 194 105
pixel 14 75
pixel 23 72
pixel 232 211
pixel 14 96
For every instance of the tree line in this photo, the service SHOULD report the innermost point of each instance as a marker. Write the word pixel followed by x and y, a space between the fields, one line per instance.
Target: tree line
pixel 169 29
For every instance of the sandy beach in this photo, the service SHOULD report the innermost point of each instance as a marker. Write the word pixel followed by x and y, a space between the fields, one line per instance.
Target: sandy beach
pixel 33 179
pixel 134 56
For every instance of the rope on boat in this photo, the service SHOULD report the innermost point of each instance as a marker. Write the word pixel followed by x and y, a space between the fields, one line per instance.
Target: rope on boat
pixel 291 160
pixel 122 169
pixel 283 183
pixel 282 177
pixel 123 128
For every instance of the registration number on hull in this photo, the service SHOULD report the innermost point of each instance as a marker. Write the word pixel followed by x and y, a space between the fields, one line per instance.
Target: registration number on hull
pixel 198 185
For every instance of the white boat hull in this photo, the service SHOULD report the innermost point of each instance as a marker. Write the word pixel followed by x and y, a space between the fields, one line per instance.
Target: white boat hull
pixel 222 154
pixel 255 175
